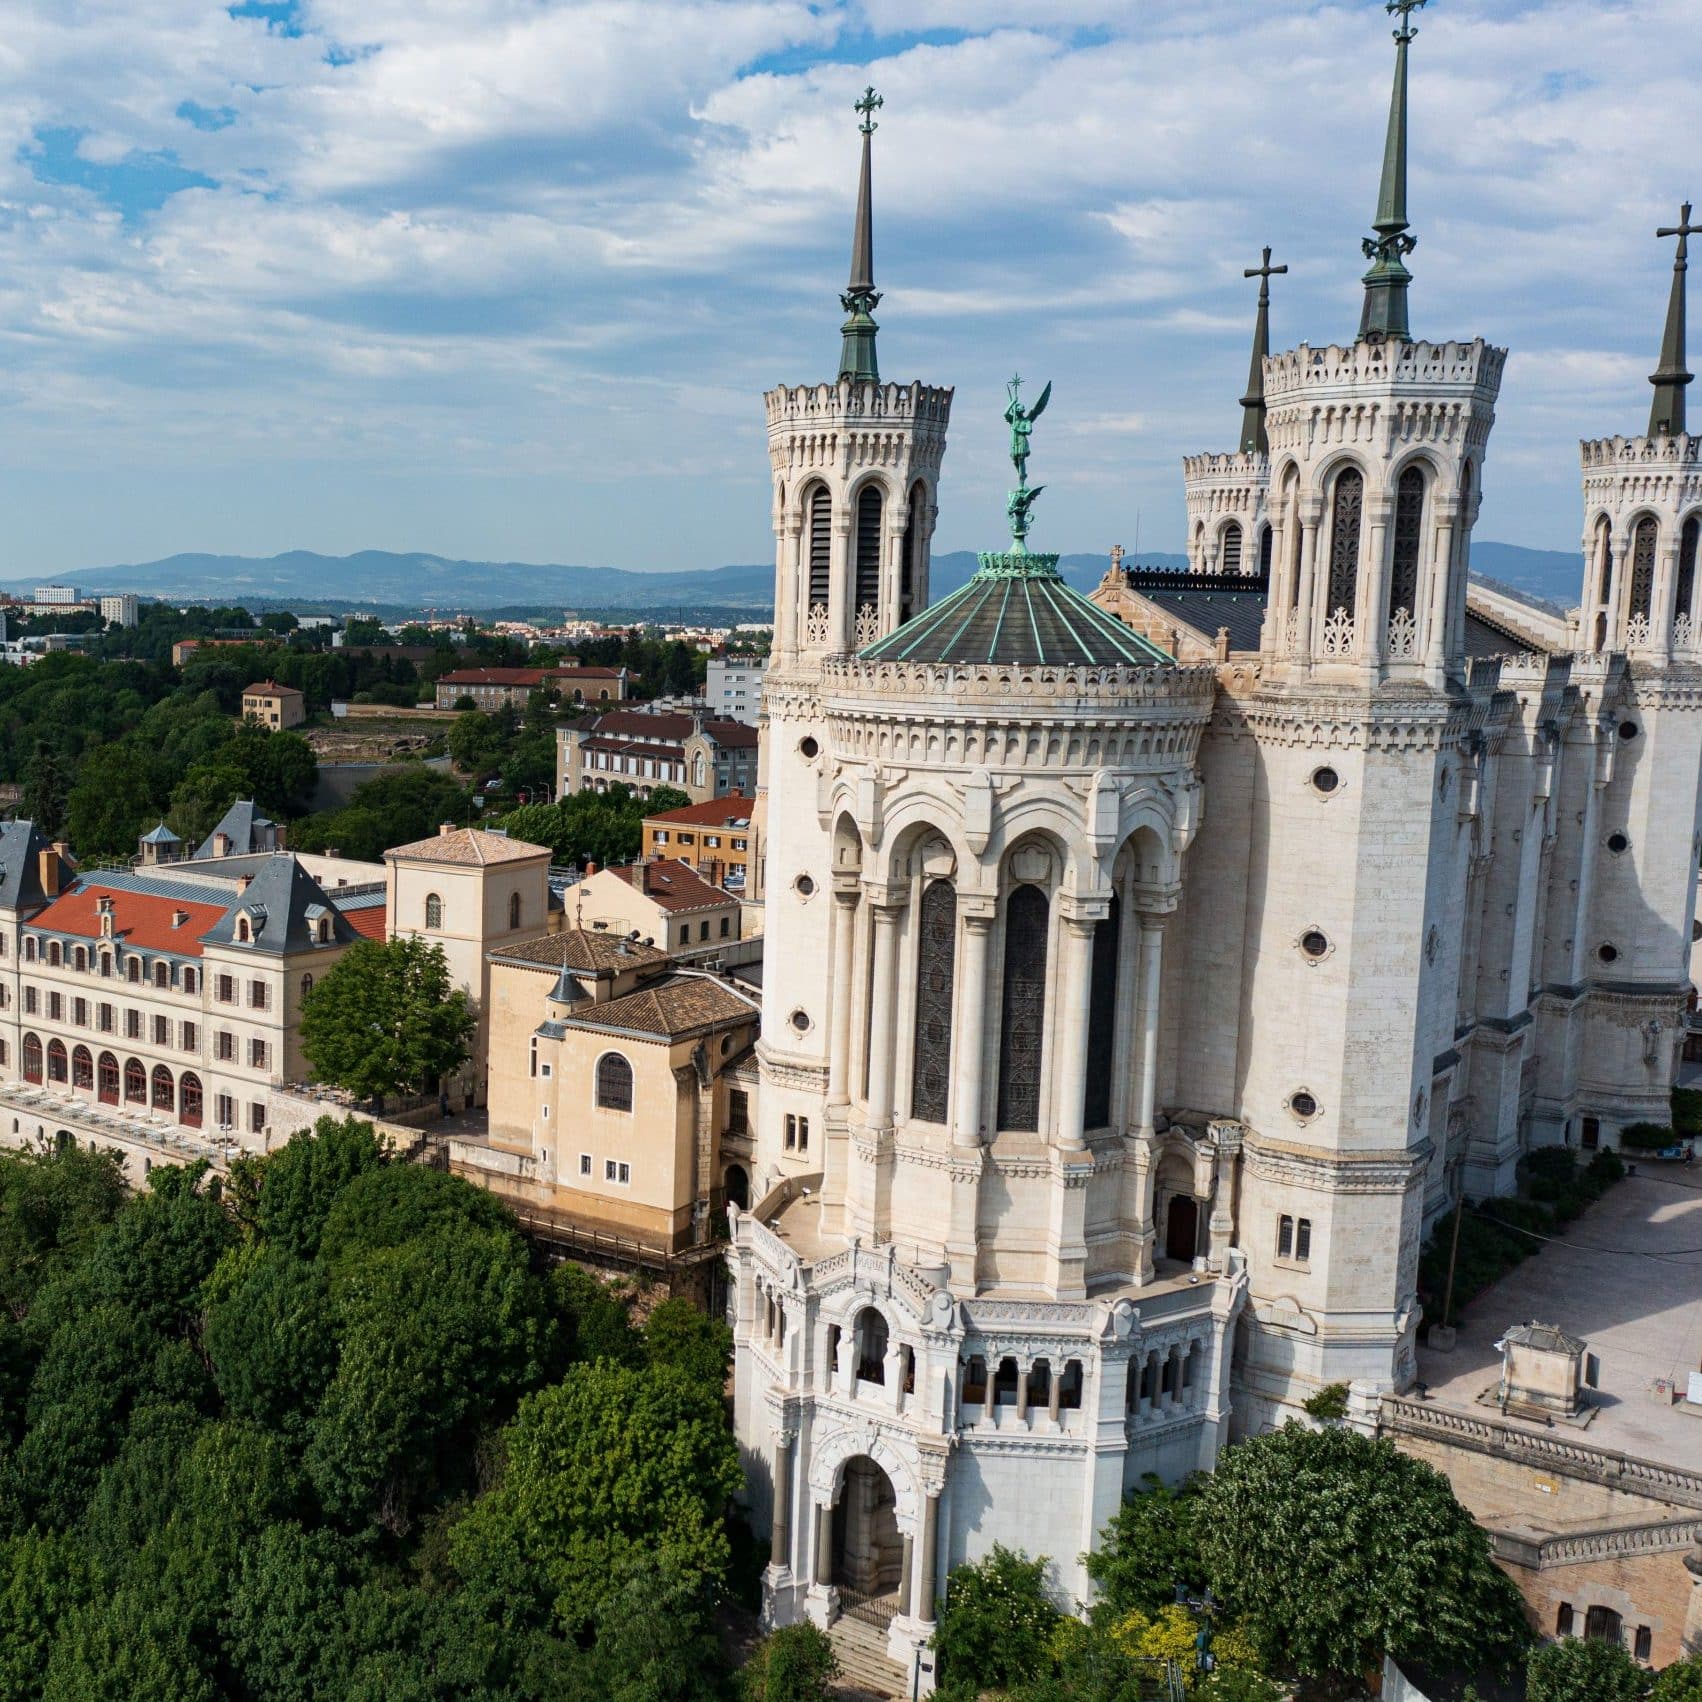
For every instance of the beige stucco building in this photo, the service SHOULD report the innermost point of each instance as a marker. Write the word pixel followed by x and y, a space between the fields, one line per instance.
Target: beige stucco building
pixel 661 900
pixel 274 706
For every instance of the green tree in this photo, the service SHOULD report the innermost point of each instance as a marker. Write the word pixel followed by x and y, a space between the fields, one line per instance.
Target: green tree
pixel 270 1336
pixel 794 1664
pixel 44 1578
pixel 676 1333
pixel 394 1205
pixel 301 1181
pixel 1148 1548
pixel 609 1466
pixel 53 1205
pixel 46 789
pixel 1574 1670
pixel 995 1625
pixel 654 1641
pixel 1681 1682
pixel 115 800
pixel 596 1321
pixel 387 1019
pixel 160 1249
pixel 1409 1571
pixel 284 1608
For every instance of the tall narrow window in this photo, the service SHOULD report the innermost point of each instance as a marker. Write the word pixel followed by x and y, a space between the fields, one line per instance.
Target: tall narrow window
pixel 1027 922
pixel 1229 551
pixel 1604 578
pixel 1409 536
pixel 614 1082
pixel 936 962
pixel 1642 568
pixel 1265 546
pixel 1688 539
pixel 513 910
pixel 820 546
pixel 869 547
pixel 433 911
pixel 911 574
pixel 1345 515
pixel 1102 1020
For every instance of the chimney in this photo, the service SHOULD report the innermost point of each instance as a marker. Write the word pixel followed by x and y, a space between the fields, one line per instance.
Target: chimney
pixel 1223 644
pixel 334 851
pixel 590 869
pixel 47 864
pixel 221 844
pixel 244 882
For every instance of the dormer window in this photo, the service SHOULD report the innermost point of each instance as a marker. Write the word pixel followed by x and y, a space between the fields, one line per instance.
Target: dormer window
pixel 322 929
pixel 243 932
pixel 53 954
pixel 162 973
pixel 133 970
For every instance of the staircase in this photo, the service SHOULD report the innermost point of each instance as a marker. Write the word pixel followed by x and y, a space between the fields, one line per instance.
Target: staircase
pixel 865 1672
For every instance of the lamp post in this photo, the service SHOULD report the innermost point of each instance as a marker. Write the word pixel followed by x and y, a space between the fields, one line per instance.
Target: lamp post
pixel 1202 1608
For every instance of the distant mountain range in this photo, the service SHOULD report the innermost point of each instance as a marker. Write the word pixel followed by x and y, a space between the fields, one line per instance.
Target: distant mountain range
pixel 417 581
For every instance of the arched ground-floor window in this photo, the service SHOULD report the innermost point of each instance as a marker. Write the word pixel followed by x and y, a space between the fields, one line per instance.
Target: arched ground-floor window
pixel 165 1092
pixel 189 1100
pixel 135 1083
pixel 106 1079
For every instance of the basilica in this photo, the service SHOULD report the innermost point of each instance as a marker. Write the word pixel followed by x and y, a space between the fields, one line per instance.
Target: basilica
pixel 1146 974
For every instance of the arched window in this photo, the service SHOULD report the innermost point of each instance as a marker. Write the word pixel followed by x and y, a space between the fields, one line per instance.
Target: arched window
pixel 819 544
pixel 936 961
pixel 433 911
pixel 32 1058
pixel 1409 538
pixel 1229 549
pixel 135 1083
pixel 699 770
pixel 1102 1019
pixel 106 963
pixel 869 1337
pixel 1688 539
pixel 242 930
pixel 1027 923
pixel 58 1064
pixel 106 1079
pixel 1266 538
pixel 190 979
pixel 1642 568
pixel 306 986
pixel 869 509
pixel 513 910
pixel 1345 513
pixel 189 1100
pixel 53 954
pixel 910 576
pixel 614 1083
pixel 165 1092
pixel 82 1068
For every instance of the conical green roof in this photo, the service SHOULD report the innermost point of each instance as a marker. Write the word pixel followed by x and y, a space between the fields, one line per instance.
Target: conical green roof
pixel 1018 610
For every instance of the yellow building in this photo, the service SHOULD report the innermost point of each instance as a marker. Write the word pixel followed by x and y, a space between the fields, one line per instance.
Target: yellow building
pixel 273 705
pixel 620 1089
pixel 661 901
pixel 720 839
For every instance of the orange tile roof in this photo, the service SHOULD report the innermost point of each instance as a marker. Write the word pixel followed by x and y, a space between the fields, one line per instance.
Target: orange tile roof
pixel 368 922
pixel 142 921
pixel 672 885
pixel 470 845
pixel 732 809
pixel 269 688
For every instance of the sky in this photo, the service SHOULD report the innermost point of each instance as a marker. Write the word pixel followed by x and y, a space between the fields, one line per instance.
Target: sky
pixel 505 279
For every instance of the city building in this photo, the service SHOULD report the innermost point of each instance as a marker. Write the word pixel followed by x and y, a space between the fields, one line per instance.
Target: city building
pixel 702 757
pixel 733 686
pixel 660 901
pixel 498 688
pixel 719 839
pixel 1132 1013
pixel 120 610
pixel 620 1089
pixel 273 705
pixel 58 596
pixel 174 990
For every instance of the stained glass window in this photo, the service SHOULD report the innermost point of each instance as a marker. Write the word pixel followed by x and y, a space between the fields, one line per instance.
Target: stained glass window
pixel 1642 568
pixel 936 952
pixel 1027 918
pixel 1409 536
pixel 1344 541
pixel 1102 1020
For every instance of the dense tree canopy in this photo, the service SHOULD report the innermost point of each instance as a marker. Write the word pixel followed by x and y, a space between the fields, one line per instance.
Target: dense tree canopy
pixel 599 827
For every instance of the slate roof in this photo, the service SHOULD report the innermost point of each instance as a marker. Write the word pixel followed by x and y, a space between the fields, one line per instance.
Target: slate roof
pixel 474 847
pixel 1026 617
pixel 283 903
pixel 161 835
pixel 673 1007
pixel 21 846
pixel 245 827
pixel 1243 612
pixel 1485 637
pixel 585 951
pixel 1546 1336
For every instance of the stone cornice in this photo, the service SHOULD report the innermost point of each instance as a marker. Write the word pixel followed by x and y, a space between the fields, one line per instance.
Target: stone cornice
pixel 1350 720
pixel 1378 1171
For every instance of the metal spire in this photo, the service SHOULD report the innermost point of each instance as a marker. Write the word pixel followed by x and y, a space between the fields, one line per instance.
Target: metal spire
pixel 1384 318
pixel 1253 439
pixel 857 360
pixel 1666 416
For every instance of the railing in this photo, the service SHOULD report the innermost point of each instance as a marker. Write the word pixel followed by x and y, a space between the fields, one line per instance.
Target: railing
pixel 1570 1459
pixel 879 1611
pixel 1604 1542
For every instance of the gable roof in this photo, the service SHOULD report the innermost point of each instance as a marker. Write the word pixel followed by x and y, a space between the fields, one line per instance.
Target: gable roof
pixel 269 688
pixel 471 847
pixel 670 1008
pixel 672 886
pixel 1205 609
pixel 673 727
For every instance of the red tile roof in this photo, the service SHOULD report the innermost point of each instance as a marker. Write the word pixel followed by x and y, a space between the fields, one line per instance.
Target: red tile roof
pixel 269 688
pixel 673 886
pixel 733 809
pixel 368 922
pixel 523 676
pixel 671 725
pixel 140 920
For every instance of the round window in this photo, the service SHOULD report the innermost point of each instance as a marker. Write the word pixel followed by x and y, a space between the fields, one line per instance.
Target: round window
pixel 1325 780
pixel 808 748
pixel 1628 729
pixel 1608 953
pixel 1618 842
pixel 1303 1104
pixel 801 1021
pixel 804 885
pixel 1314 943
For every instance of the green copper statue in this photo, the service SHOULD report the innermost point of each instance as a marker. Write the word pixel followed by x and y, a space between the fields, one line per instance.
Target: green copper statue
pixel 1021 421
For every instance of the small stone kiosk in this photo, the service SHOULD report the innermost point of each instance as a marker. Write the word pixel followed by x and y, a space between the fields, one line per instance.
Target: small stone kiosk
pixel 1543 1372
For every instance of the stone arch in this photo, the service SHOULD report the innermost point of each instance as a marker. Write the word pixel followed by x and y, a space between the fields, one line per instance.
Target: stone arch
pixel 847 844
pixel 1231 545
pixel 1034 817
pixel 1146 847
pixel 907 825
pixel 834 1452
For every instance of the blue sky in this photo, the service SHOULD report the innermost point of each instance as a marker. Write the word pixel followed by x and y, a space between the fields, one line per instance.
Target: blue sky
pixel 506 278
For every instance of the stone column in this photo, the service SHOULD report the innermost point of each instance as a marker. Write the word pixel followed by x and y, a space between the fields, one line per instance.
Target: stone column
pixel 968 1062
pixel 1441 557
pixel 842 614
pixel 843 981
pixel 786 614
pixel 1022 1391
pixel 1618 596
pixel 1076 986
pixel 1152 945
pixel 1310 514
pixel 1055 1394
pixel 1374 598
pixel 906 1578
pixel 883 1015
pixel 780 1532
pixel 930 1548
pixel 1663 604
pixel 824 1543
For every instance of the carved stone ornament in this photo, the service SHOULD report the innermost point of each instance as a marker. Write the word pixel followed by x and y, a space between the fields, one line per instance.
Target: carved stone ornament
pixel 816 626
pixel 868 625
pixel 1338 635
pixel 1403 636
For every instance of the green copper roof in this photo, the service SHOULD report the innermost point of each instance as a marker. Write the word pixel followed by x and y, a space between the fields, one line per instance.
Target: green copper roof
pixel 857 360
pixel 1018 610
pixel 1666 414
pixel 1384 318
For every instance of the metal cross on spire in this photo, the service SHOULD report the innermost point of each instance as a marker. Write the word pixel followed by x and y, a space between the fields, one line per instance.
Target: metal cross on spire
pixel 1253 439
pixel 857 360
pixel 1384 318
pixel 1666 415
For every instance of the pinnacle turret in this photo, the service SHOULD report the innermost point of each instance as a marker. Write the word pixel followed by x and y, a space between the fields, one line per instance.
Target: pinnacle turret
pixel 1666 414
pixel 1384 318
pixel 857 360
